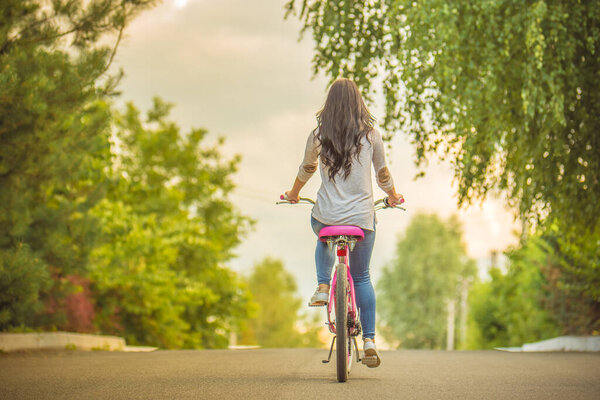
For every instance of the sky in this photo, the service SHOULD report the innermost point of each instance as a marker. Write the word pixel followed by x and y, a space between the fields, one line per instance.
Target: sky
pixel 237 68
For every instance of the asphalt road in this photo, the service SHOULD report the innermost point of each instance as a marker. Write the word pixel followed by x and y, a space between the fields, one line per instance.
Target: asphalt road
pixel 297 374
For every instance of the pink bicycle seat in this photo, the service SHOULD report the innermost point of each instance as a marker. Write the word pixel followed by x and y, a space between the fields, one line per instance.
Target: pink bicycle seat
pixel 341 230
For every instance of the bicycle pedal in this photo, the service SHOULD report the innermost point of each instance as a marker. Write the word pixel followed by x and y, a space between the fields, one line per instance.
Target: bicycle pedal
pixel 317 305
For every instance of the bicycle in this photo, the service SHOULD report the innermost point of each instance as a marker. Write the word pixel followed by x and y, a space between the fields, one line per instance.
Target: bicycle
pixel 344 238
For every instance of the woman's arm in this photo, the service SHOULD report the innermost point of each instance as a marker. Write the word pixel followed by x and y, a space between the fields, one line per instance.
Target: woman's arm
pixel 294 195
pixel 384 178
pixel 307 168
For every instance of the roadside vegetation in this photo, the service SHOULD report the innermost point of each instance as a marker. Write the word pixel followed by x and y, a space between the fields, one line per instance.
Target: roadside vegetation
pixel 278 320
pixel 110 221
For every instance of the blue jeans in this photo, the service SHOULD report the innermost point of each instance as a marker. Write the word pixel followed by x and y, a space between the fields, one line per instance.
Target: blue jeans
pixel 360 259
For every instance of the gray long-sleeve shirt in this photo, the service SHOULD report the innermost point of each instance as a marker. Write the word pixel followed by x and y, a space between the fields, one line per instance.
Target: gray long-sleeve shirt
pixel 348 201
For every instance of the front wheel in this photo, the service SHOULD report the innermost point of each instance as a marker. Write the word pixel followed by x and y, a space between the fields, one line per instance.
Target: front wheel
pixel 341 324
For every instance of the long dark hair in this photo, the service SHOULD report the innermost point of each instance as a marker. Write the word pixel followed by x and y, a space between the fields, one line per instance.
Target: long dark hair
pixel 342 123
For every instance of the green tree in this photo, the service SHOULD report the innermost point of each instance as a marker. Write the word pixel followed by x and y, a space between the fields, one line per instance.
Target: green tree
pixel 576 263
pixel 276 321
pixel 509 89
pixel 53 145
pixel 167 230
pixel 529 302
pixel 414 289
pixel 511 308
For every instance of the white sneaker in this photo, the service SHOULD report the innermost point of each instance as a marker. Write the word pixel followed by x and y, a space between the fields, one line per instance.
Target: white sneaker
pixel 319 299
pixel 371 358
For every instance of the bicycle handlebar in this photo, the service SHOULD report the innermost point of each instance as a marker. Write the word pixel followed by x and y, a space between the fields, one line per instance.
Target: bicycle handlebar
pixel 385 203
pixel 284 199
pixel 378 204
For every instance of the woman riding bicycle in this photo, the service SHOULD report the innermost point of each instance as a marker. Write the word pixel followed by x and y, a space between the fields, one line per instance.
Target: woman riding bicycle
pixel 347 144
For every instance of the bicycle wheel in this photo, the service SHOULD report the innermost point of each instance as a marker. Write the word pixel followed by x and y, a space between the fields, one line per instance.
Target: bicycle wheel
pixel 341 323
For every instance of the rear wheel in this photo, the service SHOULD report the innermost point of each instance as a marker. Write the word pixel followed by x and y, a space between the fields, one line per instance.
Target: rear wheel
pixel 341 324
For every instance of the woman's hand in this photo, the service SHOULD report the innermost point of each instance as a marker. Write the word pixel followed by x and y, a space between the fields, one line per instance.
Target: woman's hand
pixel 394 199
pixel 292 197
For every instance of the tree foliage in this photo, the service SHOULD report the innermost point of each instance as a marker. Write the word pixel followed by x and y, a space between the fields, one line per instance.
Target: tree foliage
pixel 509 89
pixel 53 145
pixel 577 260
pixel 533 299
pixel 277 316
pixel 130 236
pixel 167 229
pixel 414 289
pixel 508 310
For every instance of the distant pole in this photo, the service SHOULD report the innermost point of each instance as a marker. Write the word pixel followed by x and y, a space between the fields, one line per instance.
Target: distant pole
pixel 494 258
pixel 464 294
pixel 450 325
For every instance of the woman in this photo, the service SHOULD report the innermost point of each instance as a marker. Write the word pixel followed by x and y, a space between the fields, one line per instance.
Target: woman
pixel 347 144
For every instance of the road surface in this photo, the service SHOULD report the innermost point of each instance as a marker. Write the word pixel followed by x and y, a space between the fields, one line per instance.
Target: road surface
pixel 297 374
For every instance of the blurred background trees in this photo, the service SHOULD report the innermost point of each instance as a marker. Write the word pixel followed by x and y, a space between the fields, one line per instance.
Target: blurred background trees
pixel 431 297
pixel 509 310
pixel 528 301
pixel 167 229
pixel 423 286
pixel 278 321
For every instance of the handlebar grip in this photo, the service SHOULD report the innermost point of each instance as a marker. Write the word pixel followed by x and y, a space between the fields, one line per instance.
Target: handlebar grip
pixel 386 201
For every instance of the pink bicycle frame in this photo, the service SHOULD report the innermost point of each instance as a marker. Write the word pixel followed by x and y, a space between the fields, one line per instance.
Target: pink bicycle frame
pixel 343 258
